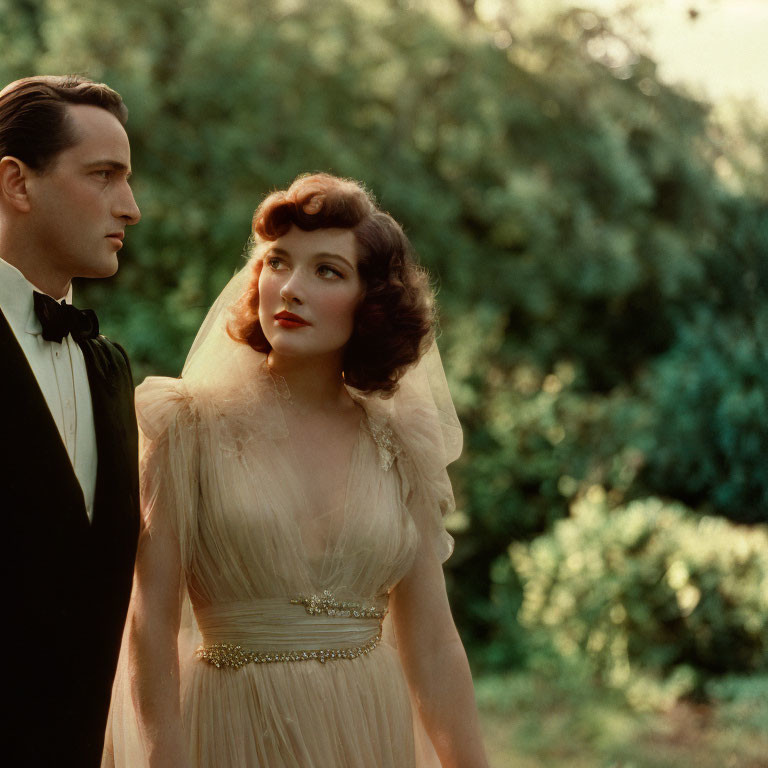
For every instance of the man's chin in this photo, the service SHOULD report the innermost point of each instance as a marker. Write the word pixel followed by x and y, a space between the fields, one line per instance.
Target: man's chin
pixel 105 268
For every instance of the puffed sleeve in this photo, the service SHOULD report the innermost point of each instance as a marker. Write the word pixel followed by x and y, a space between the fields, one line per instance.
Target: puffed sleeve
pixel 169 457
pixel 426 488
pixel 428 438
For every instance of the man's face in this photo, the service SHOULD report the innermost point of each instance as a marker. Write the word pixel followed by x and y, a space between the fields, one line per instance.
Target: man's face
pixel 81 204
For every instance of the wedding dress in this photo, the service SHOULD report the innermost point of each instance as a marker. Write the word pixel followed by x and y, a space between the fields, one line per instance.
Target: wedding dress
pixel 286 655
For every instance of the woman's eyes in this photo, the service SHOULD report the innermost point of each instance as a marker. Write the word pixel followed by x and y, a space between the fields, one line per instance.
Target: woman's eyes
pixel 328 272
pixel 325 271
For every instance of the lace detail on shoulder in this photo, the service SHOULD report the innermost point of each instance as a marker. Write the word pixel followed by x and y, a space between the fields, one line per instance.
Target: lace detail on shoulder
pixel 384 437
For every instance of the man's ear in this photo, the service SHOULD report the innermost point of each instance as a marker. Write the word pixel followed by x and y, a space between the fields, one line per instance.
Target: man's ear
pixel 14 176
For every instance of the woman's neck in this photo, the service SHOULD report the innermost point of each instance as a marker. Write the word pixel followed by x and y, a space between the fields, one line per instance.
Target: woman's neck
pixel 314 383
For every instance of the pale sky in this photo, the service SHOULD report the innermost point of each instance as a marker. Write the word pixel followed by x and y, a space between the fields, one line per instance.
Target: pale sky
pixel 720 55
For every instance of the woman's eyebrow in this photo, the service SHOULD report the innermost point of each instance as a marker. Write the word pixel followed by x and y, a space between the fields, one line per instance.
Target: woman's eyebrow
pixel 329 255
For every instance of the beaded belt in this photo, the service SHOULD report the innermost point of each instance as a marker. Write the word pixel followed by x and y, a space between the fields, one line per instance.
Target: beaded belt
pixel 273 630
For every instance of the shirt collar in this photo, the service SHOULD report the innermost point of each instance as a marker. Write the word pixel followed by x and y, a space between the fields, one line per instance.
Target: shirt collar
pixel 16 299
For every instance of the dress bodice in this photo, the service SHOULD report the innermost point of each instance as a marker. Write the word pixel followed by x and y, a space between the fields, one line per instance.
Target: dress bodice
pixel 228 477
pixel 251 507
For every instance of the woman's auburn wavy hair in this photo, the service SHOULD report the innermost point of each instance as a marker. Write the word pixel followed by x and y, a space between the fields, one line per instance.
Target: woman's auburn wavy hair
pixel 394 321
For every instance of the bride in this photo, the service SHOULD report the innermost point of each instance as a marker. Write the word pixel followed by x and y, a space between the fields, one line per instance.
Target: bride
pixel 289 605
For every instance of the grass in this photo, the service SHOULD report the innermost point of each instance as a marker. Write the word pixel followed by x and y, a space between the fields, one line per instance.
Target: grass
pixel 529 721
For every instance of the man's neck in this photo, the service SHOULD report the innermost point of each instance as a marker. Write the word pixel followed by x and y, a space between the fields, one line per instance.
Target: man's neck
pixel 20 255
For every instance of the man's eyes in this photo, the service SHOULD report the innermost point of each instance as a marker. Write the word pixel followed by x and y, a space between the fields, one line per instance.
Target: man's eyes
pixel 106 174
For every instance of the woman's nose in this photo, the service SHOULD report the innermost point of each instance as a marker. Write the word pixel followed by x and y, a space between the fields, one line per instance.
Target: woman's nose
pixel 291 290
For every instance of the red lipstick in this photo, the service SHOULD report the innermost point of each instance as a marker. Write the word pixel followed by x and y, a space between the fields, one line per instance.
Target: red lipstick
pixel 289 320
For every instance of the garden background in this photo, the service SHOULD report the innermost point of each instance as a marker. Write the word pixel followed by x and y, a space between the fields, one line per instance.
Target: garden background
pixel 599 240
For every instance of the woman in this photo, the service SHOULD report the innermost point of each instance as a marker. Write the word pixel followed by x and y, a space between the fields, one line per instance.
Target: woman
pixel 293 485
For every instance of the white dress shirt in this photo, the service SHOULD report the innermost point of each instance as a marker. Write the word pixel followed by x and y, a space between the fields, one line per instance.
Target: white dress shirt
pixel 61 374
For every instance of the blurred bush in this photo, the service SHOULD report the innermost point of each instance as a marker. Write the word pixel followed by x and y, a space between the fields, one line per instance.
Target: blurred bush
pixel 742 700
pixel 707 396
pixel 709 426
pixel 532 720
pixel 655 599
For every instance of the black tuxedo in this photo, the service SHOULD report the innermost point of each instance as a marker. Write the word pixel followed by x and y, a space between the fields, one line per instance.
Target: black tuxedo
pixel 65 582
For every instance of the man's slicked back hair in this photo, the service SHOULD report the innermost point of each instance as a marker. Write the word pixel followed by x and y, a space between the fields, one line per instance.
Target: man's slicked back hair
pixel 34 123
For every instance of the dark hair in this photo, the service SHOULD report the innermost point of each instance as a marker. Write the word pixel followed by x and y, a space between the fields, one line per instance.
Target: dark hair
pixel 393 322
pixel 34 124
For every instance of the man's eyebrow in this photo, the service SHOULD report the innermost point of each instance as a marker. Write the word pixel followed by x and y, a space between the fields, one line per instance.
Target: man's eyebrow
pixel 113 164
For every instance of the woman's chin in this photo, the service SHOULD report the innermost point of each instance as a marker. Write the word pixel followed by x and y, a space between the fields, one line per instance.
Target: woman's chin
pixel 288 348
pixel 293 354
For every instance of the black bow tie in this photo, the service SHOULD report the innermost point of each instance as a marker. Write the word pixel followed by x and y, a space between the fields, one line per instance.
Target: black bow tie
pixel 58 320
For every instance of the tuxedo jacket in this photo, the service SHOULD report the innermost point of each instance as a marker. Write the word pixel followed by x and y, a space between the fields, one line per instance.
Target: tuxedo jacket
pixel 66 582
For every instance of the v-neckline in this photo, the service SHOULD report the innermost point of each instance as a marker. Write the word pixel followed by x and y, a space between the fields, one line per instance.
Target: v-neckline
pixel 334 519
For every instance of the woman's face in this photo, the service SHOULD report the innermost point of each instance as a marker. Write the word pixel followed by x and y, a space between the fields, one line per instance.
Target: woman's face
pixel 309 289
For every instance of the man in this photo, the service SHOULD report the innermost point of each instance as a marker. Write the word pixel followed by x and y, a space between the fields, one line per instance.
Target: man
pixel 68 438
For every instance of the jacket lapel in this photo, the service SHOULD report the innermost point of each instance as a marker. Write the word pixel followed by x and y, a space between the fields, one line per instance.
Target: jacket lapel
pixel 35 465
pixel 112 441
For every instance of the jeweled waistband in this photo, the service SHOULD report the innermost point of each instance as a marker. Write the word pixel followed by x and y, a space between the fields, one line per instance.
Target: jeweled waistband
pixel 227 655
pixel 277 630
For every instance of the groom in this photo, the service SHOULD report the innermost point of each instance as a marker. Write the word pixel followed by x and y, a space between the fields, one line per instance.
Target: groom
pixel 68 444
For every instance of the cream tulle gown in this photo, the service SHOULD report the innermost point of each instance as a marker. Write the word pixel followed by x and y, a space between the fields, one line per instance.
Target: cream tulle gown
pixel 288 600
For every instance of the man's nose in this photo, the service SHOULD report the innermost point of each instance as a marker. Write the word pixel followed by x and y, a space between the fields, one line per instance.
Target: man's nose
pixel 126 208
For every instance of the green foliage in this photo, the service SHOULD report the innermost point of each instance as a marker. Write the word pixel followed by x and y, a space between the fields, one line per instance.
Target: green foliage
pixel 709 431
pixel 602 291
pixel 652 597
pixel 741 700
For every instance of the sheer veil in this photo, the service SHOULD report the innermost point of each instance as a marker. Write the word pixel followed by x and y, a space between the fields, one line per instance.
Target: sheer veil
pixel 423 388
pixel 217 314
